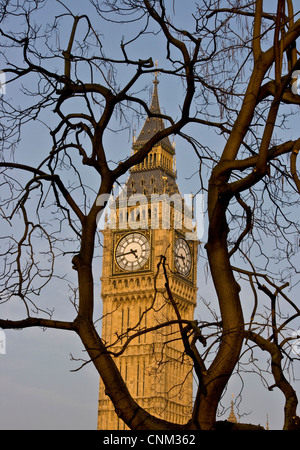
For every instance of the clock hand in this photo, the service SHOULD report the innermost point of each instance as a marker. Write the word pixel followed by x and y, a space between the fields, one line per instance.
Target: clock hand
pixel 131 251
pixel 182 257
pixel 134 253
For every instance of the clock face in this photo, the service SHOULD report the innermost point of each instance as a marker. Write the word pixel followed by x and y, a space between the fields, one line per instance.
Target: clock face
pixel 132 252
pixel 183 257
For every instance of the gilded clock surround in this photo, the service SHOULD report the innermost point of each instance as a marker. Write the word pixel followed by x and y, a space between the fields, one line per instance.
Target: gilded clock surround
pixel 117 238
pixel 191 276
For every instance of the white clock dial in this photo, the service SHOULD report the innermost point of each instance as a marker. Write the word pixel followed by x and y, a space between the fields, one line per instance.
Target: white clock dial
pixel 183 257
pixel 132 252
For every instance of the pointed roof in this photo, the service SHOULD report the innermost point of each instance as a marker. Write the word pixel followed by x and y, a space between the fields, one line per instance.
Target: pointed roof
pixel 157 174
pixel 232 417
pixel 154 124
pixel 267 425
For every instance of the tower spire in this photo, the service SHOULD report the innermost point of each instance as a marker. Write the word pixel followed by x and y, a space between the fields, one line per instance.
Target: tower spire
pixel 156 174
pixel 154 124
pixel 232 418
pixel 156 73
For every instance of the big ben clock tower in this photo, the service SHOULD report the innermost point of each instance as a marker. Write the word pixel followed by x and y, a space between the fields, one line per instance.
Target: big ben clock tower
pixel 147 255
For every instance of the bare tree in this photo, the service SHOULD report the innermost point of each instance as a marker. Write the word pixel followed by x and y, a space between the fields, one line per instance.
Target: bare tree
pixel 238 64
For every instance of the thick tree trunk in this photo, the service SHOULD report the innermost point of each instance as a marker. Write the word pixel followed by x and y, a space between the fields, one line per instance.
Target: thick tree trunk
pixel 135 417
pixel 227 291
